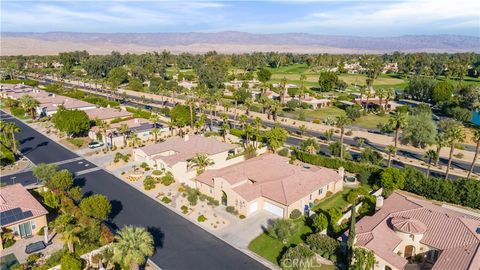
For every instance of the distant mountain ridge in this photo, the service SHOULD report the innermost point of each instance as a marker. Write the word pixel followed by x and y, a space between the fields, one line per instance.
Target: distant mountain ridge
pixel 294 42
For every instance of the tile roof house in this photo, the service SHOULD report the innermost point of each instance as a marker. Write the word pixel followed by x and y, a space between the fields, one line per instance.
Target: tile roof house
pixel 269 182
pixel 175 154
pixel 49 105
pixel 20 212
pixel 406 226
pixel 107 114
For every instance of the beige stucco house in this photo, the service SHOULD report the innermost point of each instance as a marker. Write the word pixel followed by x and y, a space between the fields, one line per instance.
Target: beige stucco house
pixel 20 212
pixel 269 182
pixel 175 154
pixel 406 226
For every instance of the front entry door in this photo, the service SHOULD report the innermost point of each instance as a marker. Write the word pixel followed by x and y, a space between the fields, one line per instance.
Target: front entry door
pixel 25 230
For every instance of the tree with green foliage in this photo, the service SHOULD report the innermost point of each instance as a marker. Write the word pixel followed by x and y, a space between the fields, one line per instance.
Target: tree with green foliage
pixel 282 229
pixel 60 181
pixel 131 246
pixel 180 115
pixel 461 114
pixel 71 262
pixel 335 149
pixel 391 179
pixel 264 75
pixel 440 142
pixel 327 81
pixel 299 257
pixel 442 92
pixel 431 155
pixel 354 112
pixel 397 121
pixel 351 235
pixel 420 88
pixel 71 236
pixel 390 150
pixel 200 162
pixel 135 85
pixel 75 193
pixel 420 130
pixel 116 76
pixel 29 104
pixel 44 172
pixel 370 156
pixel 276 137
pixel 97 206
pixel 310 145
pixel 320 222
pixel 12 128
pixel 476 139
pixel 72 122
pixel 341 122
pixel 454 136
pixel 323 245
pixel 363 259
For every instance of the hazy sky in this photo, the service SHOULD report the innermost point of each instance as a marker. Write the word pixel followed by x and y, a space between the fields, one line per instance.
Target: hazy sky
pixel 354 17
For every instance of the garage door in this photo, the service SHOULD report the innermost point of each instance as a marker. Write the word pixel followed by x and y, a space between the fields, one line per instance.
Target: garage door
pixel 253 207
pixel 273 209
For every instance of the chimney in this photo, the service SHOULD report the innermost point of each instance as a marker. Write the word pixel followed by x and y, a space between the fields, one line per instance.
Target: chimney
pixel 379 203
pixel 341 172
pixel 186 138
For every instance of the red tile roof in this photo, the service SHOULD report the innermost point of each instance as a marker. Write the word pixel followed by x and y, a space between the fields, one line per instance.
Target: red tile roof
pixel 271 176
pixel 450 231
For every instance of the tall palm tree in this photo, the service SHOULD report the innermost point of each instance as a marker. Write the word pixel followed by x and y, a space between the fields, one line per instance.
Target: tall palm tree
pixel 12 128
pixel 476 137
pixel 104 127
pixel 258 124
pixel 200 161
pixel 191 107
pixel 135 140
pixel 275 107
pixel 397 122
pixel 123 129
pixel 3 126
pixel 243 120
pixel 431 155
pixel 342 122
pixel 131 246
pixel 454 135
pixel 70 236
pixel 390 150
pixel 440 141
pixel 248 104
pixel 155 131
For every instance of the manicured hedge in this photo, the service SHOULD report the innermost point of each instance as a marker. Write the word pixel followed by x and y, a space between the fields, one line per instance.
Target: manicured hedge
pixel 26 82
pixel 139 113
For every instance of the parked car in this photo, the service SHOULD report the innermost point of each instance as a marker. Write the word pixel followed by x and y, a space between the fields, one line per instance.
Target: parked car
pixel 94 145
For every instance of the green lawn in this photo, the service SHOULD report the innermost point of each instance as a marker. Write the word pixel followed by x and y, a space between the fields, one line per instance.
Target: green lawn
pixel 371 120
pixel 319 114
pixel 336 200
pixel 271 249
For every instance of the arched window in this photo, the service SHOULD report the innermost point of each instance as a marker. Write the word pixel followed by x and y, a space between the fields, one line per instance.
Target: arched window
pixel 387 267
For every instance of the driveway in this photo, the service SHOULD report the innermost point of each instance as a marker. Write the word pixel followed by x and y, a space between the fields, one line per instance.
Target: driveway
pixel 242 232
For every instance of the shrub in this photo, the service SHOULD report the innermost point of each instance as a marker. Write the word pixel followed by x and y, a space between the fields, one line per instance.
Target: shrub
pixel 192 195
pixel 320 222
pixel 230 209
pixel 283 152
pixel 184 209
pixel 78 142
pixel 349 133
pixel 71 262
pixel 334 215
pixel 166 200
pixel 201 218
pixel 157 172
pixel 149 183
pixel 242 216
pixel 299 253
pixel 295 214
pixel 282 229
pixel 32 258
pixel 167 179
pixel 352 196
pixel 18 112
pixel 323 245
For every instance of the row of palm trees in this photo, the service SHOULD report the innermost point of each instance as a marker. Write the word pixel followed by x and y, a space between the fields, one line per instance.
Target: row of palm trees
pixel 8 130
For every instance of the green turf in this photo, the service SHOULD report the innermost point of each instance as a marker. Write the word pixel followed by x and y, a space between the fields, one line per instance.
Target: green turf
pixel 370 121
pixel 271 249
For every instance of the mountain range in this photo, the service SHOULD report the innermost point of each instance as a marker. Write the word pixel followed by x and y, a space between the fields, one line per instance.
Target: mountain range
pixel 229 42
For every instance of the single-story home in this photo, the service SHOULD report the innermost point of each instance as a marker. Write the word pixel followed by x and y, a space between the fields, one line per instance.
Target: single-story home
pixel 20 212
pixel 49 105
pixel 406 227
pixel 187 84
pixel 175 154
pixel 271 183
pixel 107 114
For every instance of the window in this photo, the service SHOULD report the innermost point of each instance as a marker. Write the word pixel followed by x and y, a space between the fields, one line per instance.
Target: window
pixel 320 191
pixel 33 224
pixel 211 190
pixel 310 196
pixel 15 229
pixel 387 267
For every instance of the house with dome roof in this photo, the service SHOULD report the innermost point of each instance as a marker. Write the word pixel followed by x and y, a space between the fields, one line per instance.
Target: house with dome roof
pixel 408 230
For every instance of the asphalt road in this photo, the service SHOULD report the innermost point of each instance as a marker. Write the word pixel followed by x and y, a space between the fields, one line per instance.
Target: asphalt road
pixel 136 102
pixel 179 244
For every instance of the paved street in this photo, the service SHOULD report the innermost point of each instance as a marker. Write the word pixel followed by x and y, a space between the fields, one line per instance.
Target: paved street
pixel 179 243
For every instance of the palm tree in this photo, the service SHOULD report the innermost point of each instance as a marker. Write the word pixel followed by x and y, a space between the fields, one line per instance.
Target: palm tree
pixel 301 92
pixel 3 126
pixel 12 128
pixel 310 145
pixel 440 141
pixel 104 127
pixel 123 129
pixel 29 104
pixel 191 106
pixel 390 150
pixel 248 104
pixel 476 136
pixel 454 135
pixel 155 131
pixel 302 129
pixel 431 155
pixel 342 122
pixel 200 161
pixel 275 107
pixel 132 245
pixel 397 121
pixel 243 120
pixel 70 236
pixel 135 140
pixel 258 124
pixel 329 135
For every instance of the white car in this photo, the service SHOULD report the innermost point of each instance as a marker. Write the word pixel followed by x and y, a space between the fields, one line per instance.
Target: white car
pixel 93 145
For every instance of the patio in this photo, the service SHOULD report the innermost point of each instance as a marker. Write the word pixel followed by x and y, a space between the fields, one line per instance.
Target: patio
pixel 18 249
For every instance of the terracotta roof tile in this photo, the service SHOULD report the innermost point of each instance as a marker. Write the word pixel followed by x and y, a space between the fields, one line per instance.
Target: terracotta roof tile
pixel 16 196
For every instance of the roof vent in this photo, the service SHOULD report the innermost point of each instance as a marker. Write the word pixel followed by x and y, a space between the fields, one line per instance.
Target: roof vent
pixel 306 167
pixel 478 230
